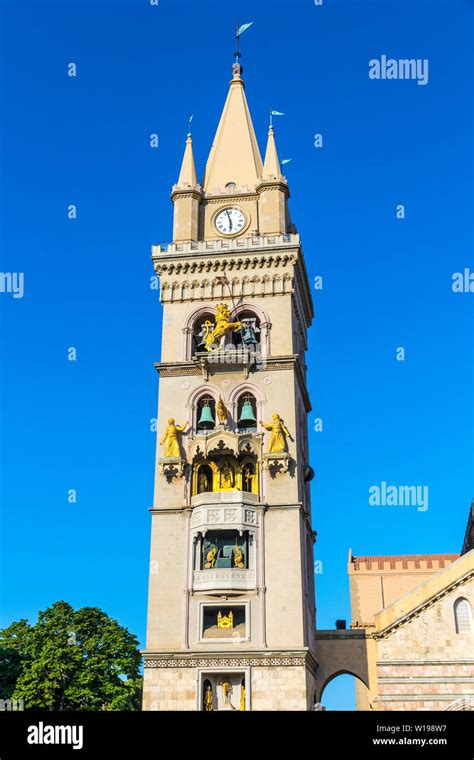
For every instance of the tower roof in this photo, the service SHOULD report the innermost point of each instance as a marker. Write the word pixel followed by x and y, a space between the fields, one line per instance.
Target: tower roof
pixel 234 156
pixel 187 175
pixel 271 166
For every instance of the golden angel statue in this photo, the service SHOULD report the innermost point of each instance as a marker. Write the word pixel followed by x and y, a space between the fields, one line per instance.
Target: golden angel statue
pixel 170 439
pixel 222 327
pixel 277 443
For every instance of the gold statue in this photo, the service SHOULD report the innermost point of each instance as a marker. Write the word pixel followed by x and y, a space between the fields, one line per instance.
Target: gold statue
pixel 208 701
pixel 221 410
pixel 204 486
pixel 238 557
pixel 211 557
pixel 242 696
pixel 277 439
pixel 247 478
pixel 226 477
pixel 225 621
pixel 222 327
pixel 170 439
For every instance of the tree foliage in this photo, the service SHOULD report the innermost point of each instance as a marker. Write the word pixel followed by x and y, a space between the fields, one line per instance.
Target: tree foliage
pixel 70 660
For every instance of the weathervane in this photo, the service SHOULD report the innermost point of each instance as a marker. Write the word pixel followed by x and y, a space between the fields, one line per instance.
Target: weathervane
pixel 240 29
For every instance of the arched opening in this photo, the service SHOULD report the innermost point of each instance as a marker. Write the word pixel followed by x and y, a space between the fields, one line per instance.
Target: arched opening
pixel 204 323
pixel 249 336
pixel 345 691
pixel 204 479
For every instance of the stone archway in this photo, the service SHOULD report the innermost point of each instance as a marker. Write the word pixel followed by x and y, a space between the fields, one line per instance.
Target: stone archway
pixel 338 652
pixel 360 694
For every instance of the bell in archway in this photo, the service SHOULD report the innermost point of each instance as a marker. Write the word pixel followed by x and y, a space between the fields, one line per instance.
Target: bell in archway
pixel 247 417
pixel 206 420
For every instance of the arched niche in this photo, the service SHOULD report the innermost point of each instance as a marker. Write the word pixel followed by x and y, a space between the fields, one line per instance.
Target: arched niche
pixel 195 320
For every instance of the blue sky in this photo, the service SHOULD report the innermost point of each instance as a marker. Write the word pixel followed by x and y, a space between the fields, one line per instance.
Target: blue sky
pixel 387 282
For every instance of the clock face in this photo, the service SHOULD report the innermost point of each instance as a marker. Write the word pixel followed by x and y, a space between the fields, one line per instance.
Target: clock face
pixel 230 221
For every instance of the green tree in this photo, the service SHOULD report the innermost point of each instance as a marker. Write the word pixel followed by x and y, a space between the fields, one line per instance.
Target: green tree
pixel 72 660
pixel 14 643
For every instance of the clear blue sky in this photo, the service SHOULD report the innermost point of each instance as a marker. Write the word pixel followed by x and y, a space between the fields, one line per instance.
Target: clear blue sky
pixel 387 282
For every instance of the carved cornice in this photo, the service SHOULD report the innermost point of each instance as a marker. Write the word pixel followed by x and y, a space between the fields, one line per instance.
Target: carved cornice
pixel 186 193
pixel 269 364
pixel 235 660
pixel 228 199
pixel 226 261
pixel 274 184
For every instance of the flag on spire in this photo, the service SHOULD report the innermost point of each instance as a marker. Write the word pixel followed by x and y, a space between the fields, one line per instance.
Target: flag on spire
pixel 241 29
pixel 274 113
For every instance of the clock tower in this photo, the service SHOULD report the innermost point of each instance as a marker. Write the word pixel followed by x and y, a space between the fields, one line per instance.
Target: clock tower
pixel 231 609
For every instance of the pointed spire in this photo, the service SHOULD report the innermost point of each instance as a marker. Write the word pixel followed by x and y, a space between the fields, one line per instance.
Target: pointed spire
pixel 271 167
pixel 187 175
pixel 235 155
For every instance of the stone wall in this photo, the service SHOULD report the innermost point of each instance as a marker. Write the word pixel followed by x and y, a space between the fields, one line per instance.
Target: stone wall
pixel 424 664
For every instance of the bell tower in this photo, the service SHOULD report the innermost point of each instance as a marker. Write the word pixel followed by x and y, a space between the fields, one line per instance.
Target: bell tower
pixel 231 609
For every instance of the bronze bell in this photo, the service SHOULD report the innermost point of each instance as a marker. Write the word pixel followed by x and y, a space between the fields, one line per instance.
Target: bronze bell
pixel 247 417
pixel 206 420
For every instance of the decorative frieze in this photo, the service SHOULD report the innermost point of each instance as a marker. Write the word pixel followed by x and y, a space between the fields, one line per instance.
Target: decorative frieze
pixel 223 662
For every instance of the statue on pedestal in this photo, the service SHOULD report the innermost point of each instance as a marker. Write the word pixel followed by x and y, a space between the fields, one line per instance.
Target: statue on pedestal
pixel 170 439
pixel 277 443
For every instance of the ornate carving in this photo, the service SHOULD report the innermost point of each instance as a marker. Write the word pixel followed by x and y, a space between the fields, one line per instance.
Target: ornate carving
pixel 243 662
pixel 230 515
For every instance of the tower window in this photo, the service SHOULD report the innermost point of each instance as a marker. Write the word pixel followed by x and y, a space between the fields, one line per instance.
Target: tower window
pixel 225 549
pixel 202 327
pixel 462 616
pixel 249 336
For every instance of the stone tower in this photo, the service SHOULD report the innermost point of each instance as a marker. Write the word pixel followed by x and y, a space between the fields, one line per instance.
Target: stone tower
pixel 231 612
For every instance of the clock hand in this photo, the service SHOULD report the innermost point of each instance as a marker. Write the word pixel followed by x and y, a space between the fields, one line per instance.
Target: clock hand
pixel 230 220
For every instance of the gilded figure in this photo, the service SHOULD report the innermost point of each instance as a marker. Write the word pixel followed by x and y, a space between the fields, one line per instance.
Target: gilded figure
pixel 170 439
pixel 277 443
